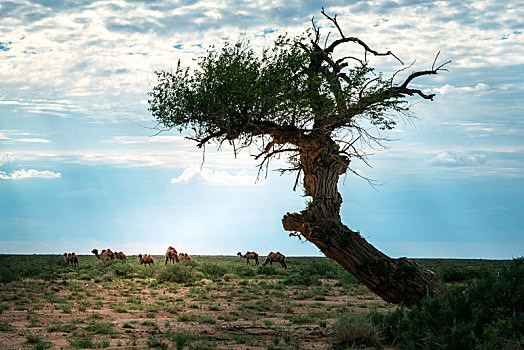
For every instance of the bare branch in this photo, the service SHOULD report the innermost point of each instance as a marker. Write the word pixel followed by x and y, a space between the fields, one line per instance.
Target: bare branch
pixel 401 70
pixel 334 20
pixel 296 234
pixel 266 149
pixel 202 141
pixel 296 180
pixel 339 61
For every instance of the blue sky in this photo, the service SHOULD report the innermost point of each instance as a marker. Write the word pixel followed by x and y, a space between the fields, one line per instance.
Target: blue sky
pixel 81 169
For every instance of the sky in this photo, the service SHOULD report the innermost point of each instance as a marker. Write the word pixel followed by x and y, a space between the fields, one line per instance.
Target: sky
pixel 82 168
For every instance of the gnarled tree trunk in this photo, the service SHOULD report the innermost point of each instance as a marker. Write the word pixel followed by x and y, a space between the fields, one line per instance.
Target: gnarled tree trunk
pixel 395 280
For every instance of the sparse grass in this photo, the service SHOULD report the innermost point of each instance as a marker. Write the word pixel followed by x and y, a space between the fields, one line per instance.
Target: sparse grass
pixel 355 331
pixel 241 295
pixel 100 328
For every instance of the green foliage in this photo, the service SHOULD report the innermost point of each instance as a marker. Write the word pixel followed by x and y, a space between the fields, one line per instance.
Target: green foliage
pixel 100 328
pixel 181 340
pixel 176 273
pixel 269 270
pixel 213 270
pixel 47 267
pixel 485 313
pixel 355 331
pixel 235 91
pixel 5 327
pixel 123 269
pixel 244 270
pixel 59 326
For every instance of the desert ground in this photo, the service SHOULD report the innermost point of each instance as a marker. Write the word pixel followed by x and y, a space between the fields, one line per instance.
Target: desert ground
pixel 210 302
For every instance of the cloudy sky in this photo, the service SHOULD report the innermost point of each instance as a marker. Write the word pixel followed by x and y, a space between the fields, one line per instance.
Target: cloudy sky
pixel 81 169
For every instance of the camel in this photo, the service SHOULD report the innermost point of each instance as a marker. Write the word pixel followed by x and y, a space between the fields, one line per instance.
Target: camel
pixel 95 251
pixel 171 255
pixel 121 256
pixel 184 256
pixel 275 257
pixel 108 253
pixel 248 256
pixel 71 258
pixel 146 259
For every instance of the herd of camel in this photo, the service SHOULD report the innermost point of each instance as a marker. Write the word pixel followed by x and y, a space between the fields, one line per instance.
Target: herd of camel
pixel 172 256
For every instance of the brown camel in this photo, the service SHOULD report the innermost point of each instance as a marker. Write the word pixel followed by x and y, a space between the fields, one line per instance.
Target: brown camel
pixel 71 258
pixel 275 257
pixel 184 256
pixel 146 259
pixel 106 254
pixel 120 256
pixel 95 251
pixel 248 256
pixel 171 255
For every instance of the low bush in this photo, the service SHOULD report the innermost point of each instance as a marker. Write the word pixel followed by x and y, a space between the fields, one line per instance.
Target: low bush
pixel 355 331
pixel 484 313
pixel 303 279
pixel 124 270
pixel 213 270
pixel 244 270
pixel 268 270
pixel 176 273
pixel 461 274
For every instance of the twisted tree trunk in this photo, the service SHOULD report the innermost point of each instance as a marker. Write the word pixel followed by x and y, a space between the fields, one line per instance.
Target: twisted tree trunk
pixel 395 280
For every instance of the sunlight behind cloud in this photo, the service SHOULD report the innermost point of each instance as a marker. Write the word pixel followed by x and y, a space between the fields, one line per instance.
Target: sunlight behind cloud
pixel 219 177
pixel 23 174
pixel 5 158
pixel 453 159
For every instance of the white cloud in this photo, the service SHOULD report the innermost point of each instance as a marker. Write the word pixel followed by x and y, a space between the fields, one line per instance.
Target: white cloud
pixel 23 174
pixel 34 140
pixel 455 159
pixel 447 89
pixel 219 177
pixel 146 139
pixel 6 157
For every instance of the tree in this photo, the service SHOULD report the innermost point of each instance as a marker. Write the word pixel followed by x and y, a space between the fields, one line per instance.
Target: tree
pixel 320 109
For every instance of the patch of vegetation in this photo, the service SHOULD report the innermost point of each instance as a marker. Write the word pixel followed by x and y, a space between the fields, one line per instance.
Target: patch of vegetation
pixel 4 307
pixel 100 328
pixel 16 267
pixel 268 270
pixel 485 313
pixel 213 270
pixel 58 326
pixel 176 273
pixel 5 327
pixel 156 342
pixel 181 340
pixel 355 331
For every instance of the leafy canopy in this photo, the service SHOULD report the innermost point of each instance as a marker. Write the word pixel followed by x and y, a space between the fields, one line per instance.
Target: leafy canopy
pixel 235 93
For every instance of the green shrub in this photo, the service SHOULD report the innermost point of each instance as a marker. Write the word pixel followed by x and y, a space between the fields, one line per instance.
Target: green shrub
pixel 124 270
pixel 5 327
pixel 267 270
pixel 213 270
pixel 355 331
pixel 100 328
pixel 181 340
pixel 176 273
pixel 303 278
pixel 81 342
pixel 244 270
pixel 485 313
pixel 460 274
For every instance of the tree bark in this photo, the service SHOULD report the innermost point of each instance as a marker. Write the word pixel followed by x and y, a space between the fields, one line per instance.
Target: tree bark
pixel 394 280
